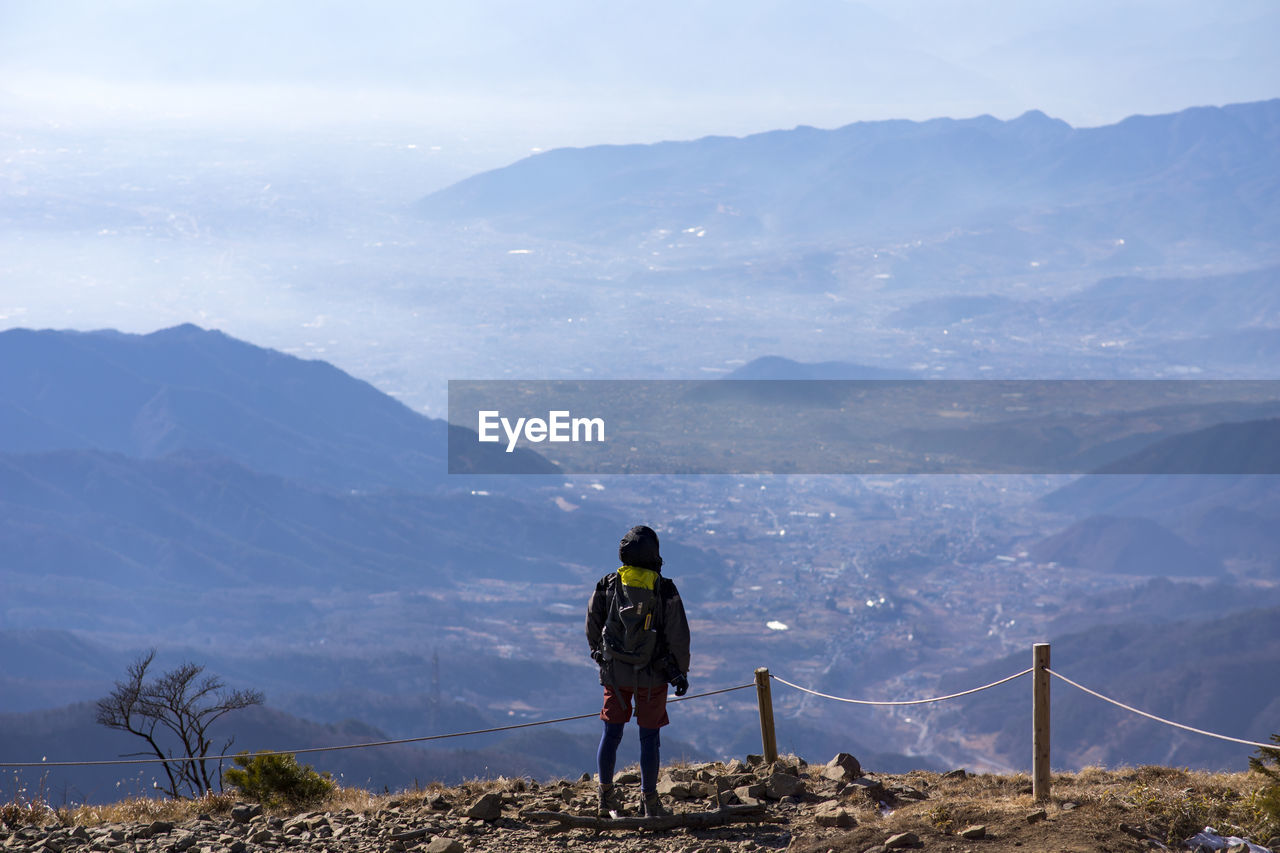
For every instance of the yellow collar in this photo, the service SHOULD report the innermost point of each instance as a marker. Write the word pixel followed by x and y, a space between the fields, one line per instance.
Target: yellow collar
pixel 636 576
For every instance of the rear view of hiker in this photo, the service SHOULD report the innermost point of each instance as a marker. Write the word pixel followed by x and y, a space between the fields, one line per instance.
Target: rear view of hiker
pixel 639 636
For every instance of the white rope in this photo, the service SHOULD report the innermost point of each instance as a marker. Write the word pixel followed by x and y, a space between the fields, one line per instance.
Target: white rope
pixel 1159 719
pixel 906 701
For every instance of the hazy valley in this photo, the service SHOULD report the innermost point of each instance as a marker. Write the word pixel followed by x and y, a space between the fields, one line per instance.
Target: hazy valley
pixel 293 527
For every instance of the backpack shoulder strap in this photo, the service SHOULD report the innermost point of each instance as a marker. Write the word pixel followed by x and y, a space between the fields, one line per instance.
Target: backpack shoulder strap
pixel 664 590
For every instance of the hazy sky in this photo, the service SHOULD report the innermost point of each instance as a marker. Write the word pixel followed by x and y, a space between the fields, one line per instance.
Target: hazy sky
pixel 238 163
pixel 581 71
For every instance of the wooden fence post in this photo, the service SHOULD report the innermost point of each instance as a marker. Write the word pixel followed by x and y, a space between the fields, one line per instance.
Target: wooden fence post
pixel 765 698
pixel 1040 722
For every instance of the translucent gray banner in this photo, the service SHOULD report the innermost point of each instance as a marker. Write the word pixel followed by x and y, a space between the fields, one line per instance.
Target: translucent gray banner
pixel 864 427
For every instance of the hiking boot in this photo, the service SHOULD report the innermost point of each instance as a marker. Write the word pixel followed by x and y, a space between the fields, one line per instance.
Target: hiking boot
pixel 609 803
pixel 652 806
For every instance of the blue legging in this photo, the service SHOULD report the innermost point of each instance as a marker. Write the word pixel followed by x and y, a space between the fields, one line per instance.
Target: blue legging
pixel 607 755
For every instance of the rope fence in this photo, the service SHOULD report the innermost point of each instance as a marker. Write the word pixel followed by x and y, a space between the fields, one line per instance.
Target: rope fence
pixel 1041 673
pixel 1039 670
pixel 903 701
pixel 1134 710
pixel 1017 675
pixel 420 739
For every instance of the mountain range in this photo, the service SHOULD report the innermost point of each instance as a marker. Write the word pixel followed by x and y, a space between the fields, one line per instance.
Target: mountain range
pixel 776 367
pixel 1128 307
pixel 185 389
pixel 1207 174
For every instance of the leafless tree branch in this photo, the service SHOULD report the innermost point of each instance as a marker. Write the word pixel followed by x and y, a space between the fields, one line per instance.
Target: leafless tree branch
pixel 180 703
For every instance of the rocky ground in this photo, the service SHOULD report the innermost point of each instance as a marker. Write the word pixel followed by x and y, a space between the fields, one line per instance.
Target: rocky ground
pixel 787 805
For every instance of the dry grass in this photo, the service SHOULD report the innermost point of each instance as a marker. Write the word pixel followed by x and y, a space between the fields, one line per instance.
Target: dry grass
pixel 26 803
pixel 1180 802
pixel 146 809
pixel 1168 804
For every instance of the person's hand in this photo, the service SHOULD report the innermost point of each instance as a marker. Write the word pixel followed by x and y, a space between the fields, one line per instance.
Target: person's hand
pixel 597 655
pixel 681 684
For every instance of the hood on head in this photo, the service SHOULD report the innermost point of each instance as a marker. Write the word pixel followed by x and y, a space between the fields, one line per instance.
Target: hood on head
pixel 639 547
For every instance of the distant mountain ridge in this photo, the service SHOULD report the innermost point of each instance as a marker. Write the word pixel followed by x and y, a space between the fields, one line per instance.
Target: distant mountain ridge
pixel 1248 447
pixel 1226 306
pixel 1203 173
pixel 1132 546
pixel 189 389
pixel 777 367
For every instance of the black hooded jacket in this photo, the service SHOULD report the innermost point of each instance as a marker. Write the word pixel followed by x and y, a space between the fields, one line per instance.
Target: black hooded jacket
pixel 639 549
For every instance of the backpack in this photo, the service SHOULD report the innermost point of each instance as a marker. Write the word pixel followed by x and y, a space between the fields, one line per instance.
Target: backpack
pixel 633 622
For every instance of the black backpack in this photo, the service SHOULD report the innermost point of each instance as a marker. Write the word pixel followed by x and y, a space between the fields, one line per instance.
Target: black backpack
pixel 633 622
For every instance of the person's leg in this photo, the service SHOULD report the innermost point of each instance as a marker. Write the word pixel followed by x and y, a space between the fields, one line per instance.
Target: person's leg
pixel 651 714
pixel 607 753
pixel 614 715
pixel 649 761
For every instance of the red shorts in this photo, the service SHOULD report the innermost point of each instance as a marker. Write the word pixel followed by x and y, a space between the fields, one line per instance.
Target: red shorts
pixel 651 706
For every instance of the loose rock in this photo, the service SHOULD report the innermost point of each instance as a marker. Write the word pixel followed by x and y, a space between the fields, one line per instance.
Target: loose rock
pixel 243 813
pixel 833 814
pixel 843 768
pixel 780 785
pixel 870 788
pixel 183 842
pixel 488 807
pixel 669 786
pixel 440 844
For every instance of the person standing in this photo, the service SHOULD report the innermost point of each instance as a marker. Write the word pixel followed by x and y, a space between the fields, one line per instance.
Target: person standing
pixel 639 637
